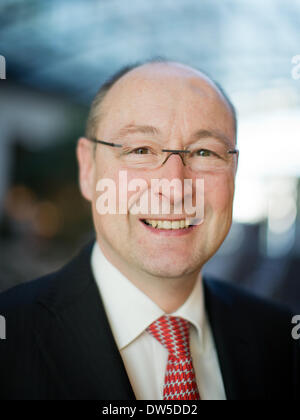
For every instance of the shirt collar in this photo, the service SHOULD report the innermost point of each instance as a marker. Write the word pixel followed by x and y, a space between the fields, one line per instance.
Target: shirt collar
pixel 129 310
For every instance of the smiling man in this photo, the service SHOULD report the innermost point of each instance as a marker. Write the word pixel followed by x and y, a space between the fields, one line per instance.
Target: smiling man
pixel 132 316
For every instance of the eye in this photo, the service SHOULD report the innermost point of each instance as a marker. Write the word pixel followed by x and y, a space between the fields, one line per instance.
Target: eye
pixel 204 153
pixel 140 151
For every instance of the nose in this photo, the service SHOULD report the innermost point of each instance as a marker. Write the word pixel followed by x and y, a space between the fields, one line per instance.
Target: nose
pixel 174 152
pixel 174 170
pixel 173 166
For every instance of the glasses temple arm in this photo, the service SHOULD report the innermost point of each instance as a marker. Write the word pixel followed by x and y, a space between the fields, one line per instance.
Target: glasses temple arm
pixel 105 142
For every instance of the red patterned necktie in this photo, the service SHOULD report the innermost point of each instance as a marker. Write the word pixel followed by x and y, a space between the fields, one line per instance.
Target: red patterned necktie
pixel 180 382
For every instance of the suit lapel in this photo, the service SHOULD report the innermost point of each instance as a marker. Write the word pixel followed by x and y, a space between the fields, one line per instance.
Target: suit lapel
pixel 235 343
pixel 77 341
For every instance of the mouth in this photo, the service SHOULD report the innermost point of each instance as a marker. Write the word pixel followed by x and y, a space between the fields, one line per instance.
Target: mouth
pixel 169 227
pixel 168 224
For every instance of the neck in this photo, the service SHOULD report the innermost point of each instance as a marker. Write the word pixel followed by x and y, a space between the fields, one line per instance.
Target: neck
pixel 169 293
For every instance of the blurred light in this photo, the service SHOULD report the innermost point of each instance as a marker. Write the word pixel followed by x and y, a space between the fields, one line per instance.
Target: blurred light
pixel 42 218
pixel 20 202
pixel 282 213
pixel 48 220
pixel 269 145
pixel 250 204
pixel 269 149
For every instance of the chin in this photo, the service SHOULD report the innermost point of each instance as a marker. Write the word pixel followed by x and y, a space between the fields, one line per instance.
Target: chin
pixel 164 267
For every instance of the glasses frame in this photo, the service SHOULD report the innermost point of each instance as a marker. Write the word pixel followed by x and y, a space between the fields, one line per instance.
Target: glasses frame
pixel 170 151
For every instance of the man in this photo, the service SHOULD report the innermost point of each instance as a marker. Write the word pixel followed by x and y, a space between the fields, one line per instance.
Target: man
pixel 132 316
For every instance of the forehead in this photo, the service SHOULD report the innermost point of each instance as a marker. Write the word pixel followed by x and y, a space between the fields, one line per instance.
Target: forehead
pixel 169 98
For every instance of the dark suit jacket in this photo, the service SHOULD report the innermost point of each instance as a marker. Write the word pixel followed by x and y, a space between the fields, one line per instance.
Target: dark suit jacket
pixel 59 344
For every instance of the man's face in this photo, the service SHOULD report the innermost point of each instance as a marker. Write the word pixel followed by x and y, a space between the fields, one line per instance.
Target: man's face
pixel 177 102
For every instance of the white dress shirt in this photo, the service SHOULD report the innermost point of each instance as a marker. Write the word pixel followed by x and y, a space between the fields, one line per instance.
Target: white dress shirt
pixel 130 312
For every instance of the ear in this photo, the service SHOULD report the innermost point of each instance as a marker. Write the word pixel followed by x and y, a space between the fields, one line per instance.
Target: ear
pixel 86 165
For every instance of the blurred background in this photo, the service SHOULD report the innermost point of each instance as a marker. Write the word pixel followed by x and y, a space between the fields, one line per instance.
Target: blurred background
pixel 57 55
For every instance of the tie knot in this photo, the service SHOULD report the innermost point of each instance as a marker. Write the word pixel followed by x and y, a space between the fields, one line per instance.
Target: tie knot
pixel 173 333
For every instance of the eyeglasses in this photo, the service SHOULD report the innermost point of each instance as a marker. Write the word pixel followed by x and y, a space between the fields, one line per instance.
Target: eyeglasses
pixel 205 155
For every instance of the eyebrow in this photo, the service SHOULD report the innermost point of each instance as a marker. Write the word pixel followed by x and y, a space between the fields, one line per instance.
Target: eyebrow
pixel 132 128
pixel 203 133
pixel 149 129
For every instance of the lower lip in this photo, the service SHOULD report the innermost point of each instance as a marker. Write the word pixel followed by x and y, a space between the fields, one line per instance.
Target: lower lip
pixel 169 232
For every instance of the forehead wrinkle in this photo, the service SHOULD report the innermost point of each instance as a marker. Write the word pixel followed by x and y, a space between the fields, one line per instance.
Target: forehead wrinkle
pixel 135 128
pixel 208 133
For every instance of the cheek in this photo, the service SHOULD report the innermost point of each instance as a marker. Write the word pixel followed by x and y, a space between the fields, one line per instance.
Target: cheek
pixel 121 178
pixel 219 191
pixel 105 223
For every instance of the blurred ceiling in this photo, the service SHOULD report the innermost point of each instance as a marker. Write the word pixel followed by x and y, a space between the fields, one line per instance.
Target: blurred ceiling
pixel 70 47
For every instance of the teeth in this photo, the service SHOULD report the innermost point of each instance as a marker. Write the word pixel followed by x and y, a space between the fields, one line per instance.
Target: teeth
pixel 175 225
pixel 167 224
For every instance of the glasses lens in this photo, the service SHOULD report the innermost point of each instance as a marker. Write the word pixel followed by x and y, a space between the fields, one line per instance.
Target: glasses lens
pixel 208 155
pixel 143 154
pixel 204 155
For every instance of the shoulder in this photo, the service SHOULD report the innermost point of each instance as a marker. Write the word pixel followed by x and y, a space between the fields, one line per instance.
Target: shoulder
pixel 247 310
pixel 247 314
pixel 236 296
pixel 257 334
pixel 33 313
pixel 25 294
pixel 54 289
